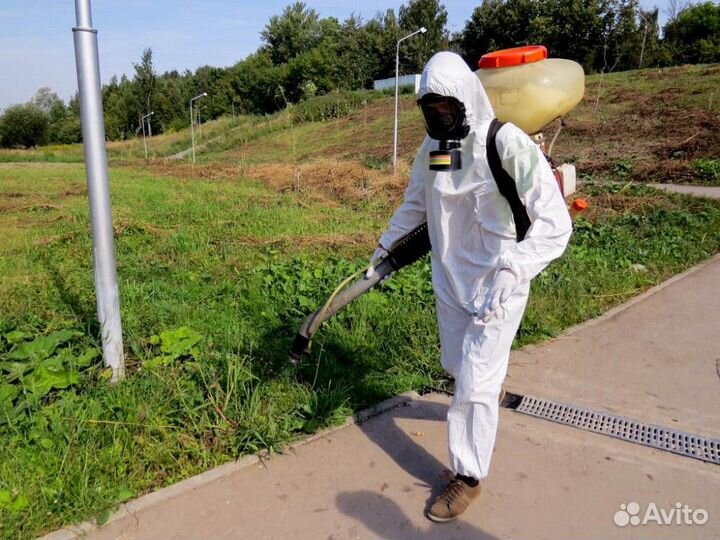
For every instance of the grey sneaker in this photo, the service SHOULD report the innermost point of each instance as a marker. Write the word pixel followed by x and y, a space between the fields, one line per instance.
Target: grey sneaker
pixel 453 501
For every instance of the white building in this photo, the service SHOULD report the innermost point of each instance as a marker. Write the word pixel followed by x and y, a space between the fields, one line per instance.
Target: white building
pixel 405 80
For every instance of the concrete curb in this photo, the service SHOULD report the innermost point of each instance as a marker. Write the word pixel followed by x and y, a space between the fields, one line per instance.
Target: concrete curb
pixel 710 192
pixel 74 532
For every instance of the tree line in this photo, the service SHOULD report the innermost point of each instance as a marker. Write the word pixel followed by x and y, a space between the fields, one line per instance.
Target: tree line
pixel 303 54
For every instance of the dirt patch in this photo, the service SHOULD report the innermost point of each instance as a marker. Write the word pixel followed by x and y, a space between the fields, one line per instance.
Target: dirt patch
pixel 624 95
pixel 712 70
pixel 330 182
pixel 187 170
pixel 580 128
pixel 304 241
pixel 74 191
pixel 692 134
pixel 667 172
pixel 617 204
pixel 341 181
pixel 59 238
pixel 666 73
pixel 42 207
pixel 123 226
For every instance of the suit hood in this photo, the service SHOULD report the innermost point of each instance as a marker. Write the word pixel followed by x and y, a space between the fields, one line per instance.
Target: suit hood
pixel 447 74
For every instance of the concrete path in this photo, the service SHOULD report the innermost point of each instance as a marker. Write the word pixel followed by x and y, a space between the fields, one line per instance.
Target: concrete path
pixel 656 360
pixel 698 191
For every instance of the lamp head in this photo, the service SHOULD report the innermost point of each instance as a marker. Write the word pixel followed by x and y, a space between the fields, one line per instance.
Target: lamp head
pixel 423 29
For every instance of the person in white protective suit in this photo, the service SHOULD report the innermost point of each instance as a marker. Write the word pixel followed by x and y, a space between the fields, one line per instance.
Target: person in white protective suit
pixel 481 274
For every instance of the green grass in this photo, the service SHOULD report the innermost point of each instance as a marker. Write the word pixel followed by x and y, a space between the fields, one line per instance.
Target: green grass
pixel 46 154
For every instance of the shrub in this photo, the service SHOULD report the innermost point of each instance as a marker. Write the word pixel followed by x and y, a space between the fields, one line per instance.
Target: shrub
pixel 24 126
pixel 329 106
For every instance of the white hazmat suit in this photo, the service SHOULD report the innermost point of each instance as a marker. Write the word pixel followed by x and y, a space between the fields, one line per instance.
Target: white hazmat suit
pixel 472 234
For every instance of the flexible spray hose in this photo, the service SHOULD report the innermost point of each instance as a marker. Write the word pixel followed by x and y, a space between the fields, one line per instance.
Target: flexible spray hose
pixel 326 308
pixel 405 251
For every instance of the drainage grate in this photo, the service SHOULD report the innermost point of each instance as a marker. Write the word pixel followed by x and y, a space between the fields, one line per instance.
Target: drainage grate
pixel 671 440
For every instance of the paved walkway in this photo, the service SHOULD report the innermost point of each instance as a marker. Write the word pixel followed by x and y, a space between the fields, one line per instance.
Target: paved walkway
pixel 655 360
pixel 698 191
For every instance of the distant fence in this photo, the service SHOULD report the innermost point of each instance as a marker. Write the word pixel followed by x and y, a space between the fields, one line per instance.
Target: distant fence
pixel 406 80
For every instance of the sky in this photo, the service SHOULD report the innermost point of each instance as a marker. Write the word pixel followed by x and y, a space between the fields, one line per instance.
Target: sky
pixel 36 44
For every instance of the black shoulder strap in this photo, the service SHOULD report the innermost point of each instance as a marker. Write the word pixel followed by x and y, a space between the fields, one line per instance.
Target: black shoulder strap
pixel 506 184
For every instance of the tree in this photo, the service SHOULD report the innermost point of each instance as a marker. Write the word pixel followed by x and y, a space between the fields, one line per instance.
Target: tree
pixel 63 123
pixel 599 34
pixel 422 13
pixel 383 32
pixel 123 108
pixel 499 24
pixel 579 30
pixel 145 82
pixel 23 125
pixel 624 37
pixel 312 69
pixel 694 35
pixel 674 7
pixel 298 30
pixel 649 28
pixel 357 55
pixel 254 82
pixel 44 99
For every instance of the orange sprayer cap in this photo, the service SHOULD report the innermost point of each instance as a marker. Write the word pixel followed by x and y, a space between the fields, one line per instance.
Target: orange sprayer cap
pixel 513 57
pixel 580 204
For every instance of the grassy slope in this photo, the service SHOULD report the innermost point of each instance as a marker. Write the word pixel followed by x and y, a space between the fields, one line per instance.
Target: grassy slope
pixel 240 249
pixel 652 124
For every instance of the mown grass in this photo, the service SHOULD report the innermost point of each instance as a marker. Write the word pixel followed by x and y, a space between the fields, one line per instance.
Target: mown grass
pixel 241 266
pixel 652 125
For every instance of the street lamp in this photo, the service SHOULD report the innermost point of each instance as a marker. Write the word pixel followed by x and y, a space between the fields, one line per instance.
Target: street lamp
pixel 143 128
pixel 93 131
pixel 199 118
pixel 397 85
pixel 192 123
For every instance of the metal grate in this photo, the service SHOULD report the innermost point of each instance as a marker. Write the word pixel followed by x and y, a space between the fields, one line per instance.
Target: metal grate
pixel 671 440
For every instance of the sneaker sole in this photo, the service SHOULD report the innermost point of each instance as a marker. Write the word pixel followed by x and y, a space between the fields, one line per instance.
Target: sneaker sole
pixel 438 519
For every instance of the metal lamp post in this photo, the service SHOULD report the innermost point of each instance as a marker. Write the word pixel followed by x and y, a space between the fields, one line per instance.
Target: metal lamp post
pixel 93 132
pixel 149 129
pixel 397 86
pixel 192 123
pixel 642 49
pixel 199 118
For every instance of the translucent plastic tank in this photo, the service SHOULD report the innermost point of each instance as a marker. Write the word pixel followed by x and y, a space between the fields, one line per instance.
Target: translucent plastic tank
pixel 529 89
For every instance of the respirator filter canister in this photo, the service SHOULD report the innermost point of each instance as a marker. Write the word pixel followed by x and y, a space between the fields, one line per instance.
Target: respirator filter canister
pixel 448 158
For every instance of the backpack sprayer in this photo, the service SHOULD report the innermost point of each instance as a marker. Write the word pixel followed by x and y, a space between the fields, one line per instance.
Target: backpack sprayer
pixel 547 89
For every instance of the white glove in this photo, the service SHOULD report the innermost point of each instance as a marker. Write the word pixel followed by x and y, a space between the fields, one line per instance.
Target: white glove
pixel 502 287
pixel 380 254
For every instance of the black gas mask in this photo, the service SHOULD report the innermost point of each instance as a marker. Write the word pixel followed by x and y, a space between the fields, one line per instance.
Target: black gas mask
pixel 445 122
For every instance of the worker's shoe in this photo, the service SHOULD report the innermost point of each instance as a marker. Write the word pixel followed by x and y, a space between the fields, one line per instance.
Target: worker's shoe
pixel 454 501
